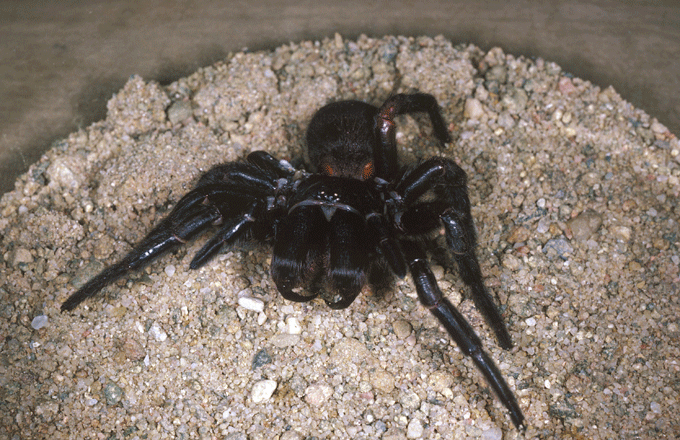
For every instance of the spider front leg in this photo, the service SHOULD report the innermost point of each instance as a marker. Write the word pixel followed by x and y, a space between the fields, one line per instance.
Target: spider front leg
pixel 386 155
pixel 458 328
pixel 188 218
pixel 452 206
pixel 230 191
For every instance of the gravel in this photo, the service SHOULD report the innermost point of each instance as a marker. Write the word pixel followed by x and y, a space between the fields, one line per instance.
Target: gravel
pixel 574 195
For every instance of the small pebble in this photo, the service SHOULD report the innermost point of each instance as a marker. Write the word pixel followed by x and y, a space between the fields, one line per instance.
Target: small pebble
pixel 410 400
pixel 414 429
pixel 658 128
pixel 402 328
pixel 440 380
pixel 263 390
pixel 290 435
pixel 157 332
pixel 543 226
pixel 473 109
pixel 565 86
pixel 318 394
pixel 558 247
pixel 519 234
pixel 254 304
pixel 170 270
pixel 584 225
pixel 294 327
pixel 511 262
pixel 382 380
pixel 622 233
pixel 179 111
pixel 498 73
pixel 39 322
pixel 515 101
pixel 22 255
pixel 112 393
pixel 133 350
pixel 285 340
pixel 493 433
pixel 261 358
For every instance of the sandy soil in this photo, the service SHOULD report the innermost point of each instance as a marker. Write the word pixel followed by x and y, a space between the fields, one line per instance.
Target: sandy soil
pixel 574 194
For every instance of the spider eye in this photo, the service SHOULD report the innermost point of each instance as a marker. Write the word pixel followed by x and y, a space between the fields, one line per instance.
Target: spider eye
pixel 327 169
pixel 368 171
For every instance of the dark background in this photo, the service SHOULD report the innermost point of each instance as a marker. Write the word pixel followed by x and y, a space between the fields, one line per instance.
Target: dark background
pixel 61 61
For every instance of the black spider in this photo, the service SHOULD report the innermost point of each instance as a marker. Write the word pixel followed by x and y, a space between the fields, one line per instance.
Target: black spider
pixel 359 214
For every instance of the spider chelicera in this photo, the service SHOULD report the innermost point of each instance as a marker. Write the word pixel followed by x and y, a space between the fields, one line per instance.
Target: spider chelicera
pixel 355 219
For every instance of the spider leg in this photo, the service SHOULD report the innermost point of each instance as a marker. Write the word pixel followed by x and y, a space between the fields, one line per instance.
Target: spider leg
pixel 227 234
pixel 241 177
pixel 458 328
pixel 386 155
pixel 449 183
pixel 185 221
pixel 266 161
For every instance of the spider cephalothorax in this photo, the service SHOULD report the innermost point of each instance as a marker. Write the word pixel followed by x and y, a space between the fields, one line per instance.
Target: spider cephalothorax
pixel 357 214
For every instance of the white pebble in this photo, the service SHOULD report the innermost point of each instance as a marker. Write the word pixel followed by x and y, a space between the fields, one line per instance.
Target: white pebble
pixel 317 394
pixel 493 433
pixel 414 429
pixel 263 390
pixel 530 322
pixel 254 304
pixel 157 332
pixel 39 322
pixel 658 127
pixel 170 270
pixel 473 109
pixel 261 318
pixel 294 327
pixel 284 340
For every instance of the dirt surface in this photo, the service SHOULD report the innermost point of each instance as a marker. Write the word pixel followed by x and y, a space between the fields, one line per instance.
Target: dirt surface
pixel 574 196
